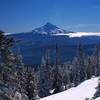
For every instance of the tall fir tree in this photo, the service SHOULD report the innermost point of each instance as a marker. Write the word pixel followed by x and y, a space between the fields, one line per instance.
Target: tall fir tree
pixel 57 76
pixel 6 64
pixel 97 94
pixel 31 86
pixel 66 76
pixel 45 71
pixel 5 53
pixel 81 65
pixel 96 56
pixel 76 71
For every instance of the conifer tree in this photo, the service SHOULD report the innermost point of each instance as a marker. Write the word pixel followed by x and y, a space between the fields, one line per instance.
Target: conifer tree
pixel 45 82
pixel 31 86
pixel 82 67
pixel 6 63
pixel 57 76
pixel 97 94
pixel 5 53
pixel 66 76
pixel 76 72
pixel 96 56
pixel 45 76
pixel 89 67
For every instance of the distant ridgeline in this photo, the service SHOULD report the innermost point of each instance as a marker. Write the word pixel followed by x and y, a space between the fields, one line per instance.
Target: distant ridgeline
pixel 33 45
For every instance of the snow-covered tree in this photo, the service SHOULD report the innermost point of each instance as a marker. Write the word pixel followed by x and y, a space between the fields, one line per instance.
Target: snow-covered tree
pixel 57 85
pixel 76 71
pixel 97 94
pixel 44 79
pixel 31 86
pixel 66 76
pixel 96 57
pixel 89 67
pixel 81 65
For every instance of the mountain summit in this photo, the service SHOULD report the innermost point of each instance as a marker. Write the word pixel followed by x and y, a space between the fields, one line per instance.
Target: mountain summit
pixel 50 29
pixel 50 26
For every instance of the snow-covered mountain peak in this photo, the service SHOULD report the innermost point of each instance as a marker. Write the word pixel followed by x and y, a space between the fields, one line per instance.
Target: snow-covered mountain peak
pixel 50 29
pixel 49 26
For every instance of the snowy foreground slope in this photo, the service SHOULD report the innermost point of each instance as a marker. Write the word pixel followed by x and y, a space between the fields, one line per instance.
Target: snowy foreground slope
pixel 84 90
pixel 98 98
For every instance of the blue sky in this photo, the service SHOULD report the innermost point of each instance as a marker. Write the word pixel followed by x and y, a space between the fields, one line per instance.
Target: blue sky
pixel 25 15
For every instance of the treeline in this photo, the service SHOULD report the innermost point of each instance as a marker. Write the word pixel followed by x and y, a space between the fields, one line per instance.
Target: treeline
pixel 18 82
pixel 62 76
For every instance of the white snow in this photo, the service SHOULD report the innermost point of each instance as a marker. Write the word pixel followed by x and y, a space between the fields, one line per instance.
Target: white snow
pixel 80 34
pixel 8 33
pixel 84 90
pixel 98 98
pixel 71 35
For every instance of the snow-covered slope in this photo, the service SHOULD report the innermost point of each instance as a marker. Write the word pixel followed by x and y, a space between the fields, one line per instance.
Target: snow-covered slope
pixel 97 98
pixel 84 90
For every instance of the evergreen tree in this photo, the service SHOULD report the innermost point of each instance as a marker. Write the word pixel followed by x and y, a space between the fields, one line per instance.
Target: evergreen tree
pixel 5 44
pixel 97 94
pixel 26 83
pixel 31 86
pixel 5 55
pixel 66 76
pixel 14 77
pixel 93 64
pixel 6 64
pixel 57 76
pixel 82 67
pixel 96 56
pixel 76 72
pixel 45 81
pixel 89 67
